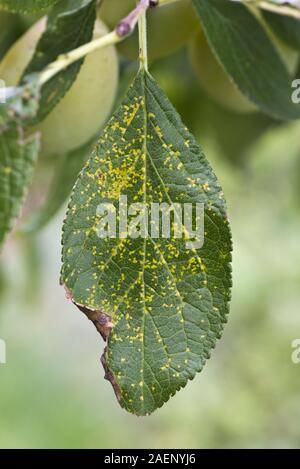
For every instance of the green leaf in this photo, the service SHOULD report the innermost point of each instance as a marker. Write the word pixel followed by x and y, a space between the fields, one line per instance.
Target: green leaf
pixel 26 6
pixel 287 28
pixel 17 162
pixel 248 55
pixel 70 25
pixel 67 169
pixel 166 304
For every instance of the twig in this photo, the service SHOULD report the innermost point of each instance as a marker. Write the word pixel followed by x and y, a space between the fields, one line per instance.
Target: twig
pixel 123 29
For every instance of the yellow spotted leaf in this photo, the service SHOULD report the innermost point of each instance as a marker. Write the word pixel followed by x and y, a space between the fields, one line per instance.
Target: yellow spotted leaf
pixel 160 298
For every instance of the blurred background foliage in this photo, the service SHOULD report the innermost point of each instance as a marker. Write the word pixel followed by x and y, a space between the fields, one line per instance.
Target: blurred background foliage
pixel 52 391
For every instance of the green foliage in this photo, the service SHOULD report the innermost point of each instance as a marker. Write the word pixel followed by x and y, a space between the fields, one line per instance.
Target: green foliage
pixel 67 169
pixel 287 28
pixel 69 26
pixel 10 29
pixel 18 157
pixel 248 55
pixel 17 154
pixel 21 103
pixel 168 304
pixel 26 6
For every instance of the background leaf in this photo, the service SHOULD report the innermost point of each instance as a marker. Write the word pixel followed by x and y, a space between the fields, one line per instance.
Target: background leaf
pixel 67 169
pixel 26 6
pixel 287 28
pixel 249 57
pixel 70 24
pixel 168 304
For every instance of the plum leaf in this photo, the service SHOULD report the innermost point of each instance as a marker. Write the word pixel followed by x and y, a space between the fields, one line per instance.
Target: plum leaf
pixel 160 306
pixel 26 6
